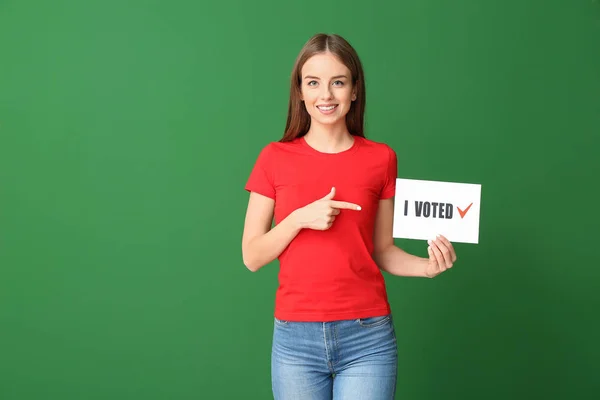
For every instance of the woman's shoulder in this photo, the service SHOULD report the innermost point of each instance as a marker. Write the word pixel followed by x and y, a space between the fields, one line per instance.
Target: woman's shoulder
pixel 278 148
pixel 378 147
pixel 274 150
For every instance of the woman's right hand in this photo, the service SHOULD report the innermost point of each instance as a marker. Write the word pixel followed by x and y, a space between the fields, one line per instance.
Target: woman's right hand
pixel 320 214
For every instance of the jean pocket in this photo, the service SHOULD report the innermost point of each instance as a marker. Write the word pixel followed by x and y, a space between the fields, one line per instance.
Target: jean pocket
pixel 280 322
pixel 372 322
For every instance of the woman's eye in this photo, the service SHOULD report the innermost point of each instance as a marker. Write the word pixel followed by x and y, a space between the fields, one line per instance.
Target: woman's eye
pixel 312 83
pixel 338 83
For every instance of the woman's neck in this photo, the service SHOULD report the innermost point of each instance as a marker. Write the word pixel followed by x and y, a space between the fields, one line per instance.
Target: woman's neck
pixel 329 139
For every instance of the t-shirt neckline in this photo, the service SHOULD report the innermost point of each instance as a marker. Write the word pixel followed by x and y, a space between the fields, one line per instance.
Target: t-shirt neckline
pixel 349 150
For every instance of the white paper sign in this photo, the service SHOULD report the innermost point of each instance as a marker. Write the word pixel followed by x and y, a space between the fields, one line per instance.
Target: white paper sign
pixel 424 209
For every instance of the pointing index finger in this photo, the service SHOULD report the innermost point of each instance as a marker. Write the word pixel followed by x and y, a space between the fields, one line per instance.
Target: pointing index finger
pixel 345 204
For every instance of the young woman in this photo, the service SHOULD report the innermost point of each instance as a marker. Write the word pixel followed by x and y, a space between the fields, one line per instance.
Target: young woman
pixel 330 191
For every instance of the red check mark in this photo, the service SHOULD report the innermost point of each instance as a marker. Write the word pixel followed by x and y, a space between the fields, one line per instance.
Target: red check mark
pixel 461 212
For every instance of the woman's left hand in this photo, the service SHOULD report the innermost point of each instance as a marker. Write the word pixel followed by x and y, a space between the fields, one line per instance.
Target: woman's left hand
pixel 441 256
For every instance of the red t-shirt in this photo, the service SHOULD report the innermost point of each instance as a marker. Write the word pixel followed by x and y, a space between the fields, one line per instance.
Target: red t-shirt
pixel 328 275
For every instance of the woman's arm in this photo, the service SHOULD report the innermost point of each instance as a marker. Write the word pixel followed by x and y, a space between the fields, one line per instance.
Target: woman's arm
pixel 260 243
pixel 396 261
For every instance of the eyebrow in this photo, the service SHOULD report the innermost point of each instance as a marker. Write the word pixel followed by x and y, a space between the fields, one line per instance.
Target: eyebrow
pixel 334 77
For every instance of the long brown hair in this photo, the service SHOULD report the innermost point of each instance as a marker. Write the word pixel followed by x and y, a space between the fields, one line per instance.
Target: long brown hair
pixel 298 119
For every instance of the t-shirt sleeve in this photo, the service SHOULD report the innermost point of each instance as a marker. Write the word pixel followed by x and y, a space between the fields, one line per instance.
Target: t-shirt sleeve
pixel 389 185
pixel 261 177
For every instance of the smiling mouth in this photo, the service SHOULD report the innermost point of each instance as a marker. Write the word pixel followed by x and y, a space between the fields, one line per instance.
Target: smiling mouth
pixel 327 108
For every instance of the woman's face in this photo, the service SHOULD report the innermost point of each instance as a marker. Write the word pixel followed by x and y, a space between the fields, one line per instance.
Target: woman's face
pixel 327 89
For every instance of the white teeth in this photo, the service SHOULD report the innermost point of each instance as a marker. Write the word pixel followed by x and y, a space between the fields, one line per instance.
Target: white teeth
pixel 326 108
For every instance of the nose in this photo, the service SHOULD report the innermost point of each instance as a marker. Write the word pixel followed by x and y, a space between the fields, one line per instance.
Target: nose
pixel 326 92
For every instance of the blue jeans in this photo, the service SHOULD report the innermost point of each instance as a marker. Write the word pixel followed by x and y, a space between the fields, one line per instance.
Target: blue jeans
pixel 351 359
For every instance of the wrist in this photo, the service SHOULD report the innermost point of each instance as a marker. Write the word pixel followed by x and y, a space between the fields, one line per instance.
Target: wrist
pixel 295 221
pixel 425 268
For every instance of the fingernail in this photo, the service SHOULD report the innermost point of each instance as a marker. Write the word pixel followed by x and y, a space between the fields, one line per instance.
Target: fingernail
pixel 358 208
pixel 429 242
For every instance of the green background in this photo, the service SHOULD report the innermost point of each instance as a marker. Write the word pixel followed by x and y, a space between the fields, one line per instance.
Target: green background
pixel 127 132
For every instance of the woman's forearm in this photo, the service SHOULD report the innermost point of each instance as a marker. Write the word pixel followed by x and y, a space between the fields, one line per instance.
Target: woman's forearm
pixel 261 250
pixel 397 262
